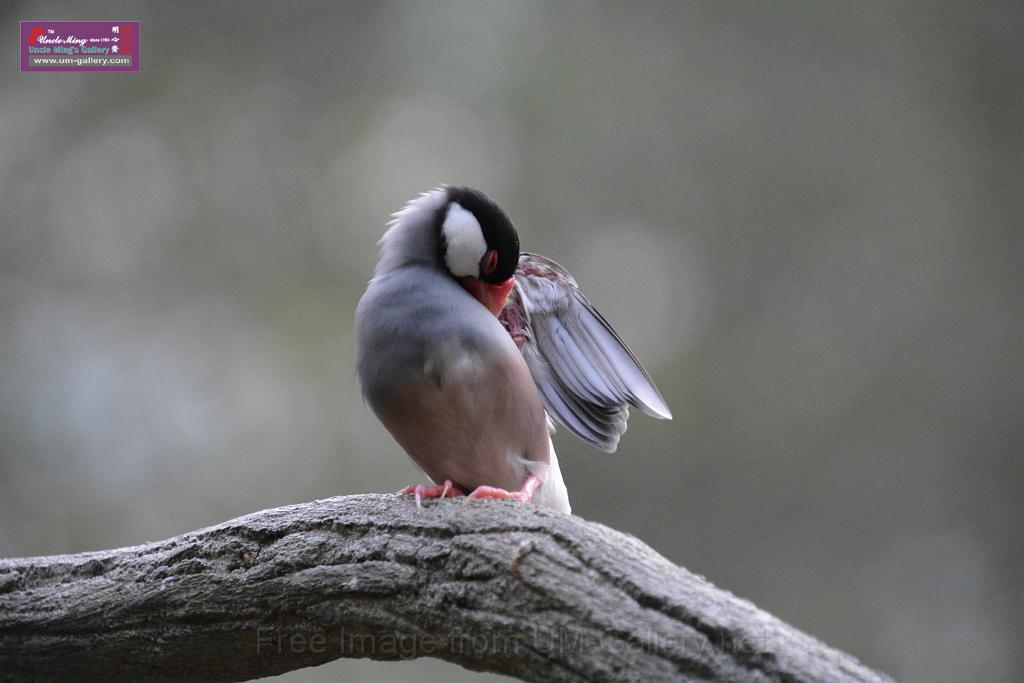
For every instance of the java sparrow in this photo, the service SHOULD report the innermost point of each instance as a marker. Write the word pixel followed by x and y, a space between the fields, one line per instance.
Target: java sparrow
pixel 466 346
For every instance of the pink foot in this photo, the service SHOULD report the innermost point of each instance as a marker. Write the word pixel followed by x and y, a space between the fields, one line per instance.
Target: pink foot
pixel 523 495
pixel 446 490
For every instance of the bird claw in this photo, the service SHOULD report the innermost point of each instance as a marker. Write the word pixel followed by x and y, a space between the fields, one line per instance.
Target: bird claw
pixel 445 490
pixel 523 495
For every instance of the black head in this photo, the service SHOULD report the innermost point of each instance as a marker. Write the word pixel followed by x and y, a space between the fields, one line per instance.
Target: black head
pixel 477 237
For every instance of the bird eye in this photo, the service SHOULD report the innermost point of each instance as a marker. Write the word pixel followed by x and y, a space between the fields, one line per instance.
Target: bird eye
pixel 490 262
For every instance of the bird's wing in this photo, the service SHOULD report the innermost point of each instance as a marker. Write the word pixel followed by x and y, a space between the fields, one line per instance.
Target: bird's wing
pixel 586 374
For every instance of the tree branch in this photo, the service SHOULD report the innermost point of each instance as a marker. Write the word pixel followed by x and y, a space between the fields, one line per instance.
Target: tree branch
pixel 492 586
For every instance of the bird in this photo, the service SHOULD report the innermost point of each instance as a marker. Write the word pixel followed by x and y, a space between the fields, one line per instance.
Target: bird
pixel 469 349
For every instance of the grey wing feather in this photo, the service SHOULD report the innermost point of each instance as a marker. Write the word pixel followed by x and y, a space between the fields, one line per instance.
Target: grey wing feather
pixel 586 374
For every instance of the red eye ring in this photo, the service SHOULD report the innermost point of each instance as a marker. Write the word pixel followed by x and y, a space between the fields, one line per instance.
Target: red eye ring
pixel 490 262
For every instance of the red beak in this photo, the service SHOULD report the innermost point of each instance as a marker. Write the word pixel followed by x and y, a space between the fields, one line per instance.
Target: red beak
pixel 491 296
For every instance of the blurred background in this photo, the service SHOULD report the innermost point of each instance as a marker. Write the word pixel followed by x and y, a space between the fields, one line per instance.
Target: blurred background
pixel 804 217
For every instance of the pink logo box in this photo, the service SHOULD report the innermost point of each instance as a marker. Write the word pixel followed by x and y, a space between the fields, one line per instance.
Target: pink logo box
pixel 80 46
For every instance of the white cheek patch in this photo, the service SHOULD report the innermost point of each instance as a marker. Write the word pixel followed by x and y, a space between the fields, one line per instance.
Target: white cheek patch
pixel 465 240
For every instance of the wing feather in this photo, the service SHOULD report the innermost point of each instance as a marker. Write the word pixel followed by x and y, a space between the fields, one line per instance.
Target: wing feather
pixel 565 409
pixel 586 374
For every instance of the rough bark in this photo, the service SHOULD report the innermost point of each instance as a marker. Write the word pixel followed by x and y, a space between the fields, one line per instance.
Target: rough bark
pixel 492 586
